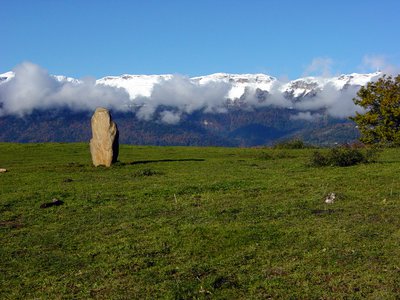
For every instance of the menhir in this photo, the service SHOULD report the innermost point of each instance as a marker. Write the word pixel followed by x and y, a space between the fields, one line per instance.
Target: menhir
pixel 104 144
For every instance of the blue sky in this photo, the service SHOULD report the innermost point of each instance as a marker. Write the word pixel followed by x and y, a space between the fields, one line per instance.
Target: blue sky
pixel 282 38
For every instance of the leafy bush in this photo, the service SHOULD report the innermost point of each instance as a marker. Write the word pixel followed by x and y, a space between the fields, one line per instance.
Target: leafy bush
pixel 344 156
pixel 293 144
pixel 319 159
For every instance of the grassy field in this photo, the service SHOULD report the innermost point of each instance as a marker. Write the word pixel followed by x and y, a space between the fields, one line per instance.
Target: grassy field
pixel 202 223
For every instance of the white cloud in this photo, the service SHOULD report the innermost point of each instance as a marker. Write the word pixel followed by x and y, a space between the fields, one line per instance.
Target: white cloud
pixel 337 103
pixel 184 95
pixel 373 63
pixel 170 117
pixel 307 116
pixel 33 88
pixel 320 66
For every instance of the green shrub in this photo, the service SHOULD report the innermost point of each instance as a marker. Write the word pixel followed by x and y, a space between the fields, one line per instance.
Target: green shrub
pixel 344 156
pixel 319 159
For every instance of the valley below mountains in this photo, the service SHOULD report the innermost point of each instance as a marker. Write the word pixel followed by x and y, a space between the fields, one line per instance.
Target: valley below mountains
pixel 233 128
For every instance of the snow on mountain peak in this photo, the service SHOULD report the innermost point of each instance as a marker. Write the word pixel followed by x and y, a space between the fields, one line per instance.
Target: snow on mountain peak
pixel 355 79
pixel 235 77
pixel 63 78
pixel 6 76
pixel 310 86
pixel 239 82
pixel 176 94
pixel 142 85
pixel 9 75
pixel 135 85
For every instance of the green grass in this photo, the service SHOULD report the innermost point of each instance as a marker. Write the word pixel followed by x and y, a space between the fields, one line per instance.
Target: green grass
pixel 202 223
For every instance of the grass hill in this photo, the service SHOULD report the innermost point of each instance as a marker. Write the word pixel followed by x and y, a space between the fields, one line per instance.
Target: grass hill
pixel 196 223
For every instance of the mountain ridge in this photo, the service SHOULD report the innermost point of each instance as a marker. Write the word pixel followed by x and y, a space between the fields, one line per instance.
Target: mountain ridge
pixel 142 85
pixel 245 110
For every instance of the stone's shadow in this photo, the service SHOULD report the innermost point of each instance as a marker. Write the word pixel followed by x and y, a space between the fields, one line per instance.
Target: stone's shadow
pixel 142 162
pixel 55 202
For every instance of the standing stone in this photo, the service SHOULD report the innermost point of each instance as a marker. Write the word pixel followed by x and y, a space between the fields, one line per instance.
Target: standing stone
pixel 104 143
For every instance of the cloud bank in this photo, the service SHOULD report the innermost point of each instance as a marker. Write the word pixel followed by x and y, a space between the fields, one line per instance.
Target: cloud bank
pixel 320 66
pixel 181 95
pixel 379 63
pixel 33 88
pixel 338 104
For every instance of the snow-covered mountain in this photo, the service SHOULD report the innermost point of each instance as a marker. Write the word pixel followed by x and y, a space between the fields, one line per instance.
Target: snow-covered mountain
pixel 6 76
pixel 9 75
pixel 239 82
pixel 142 85
pixel 217 109
pixel 135 85
pixel 310 86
